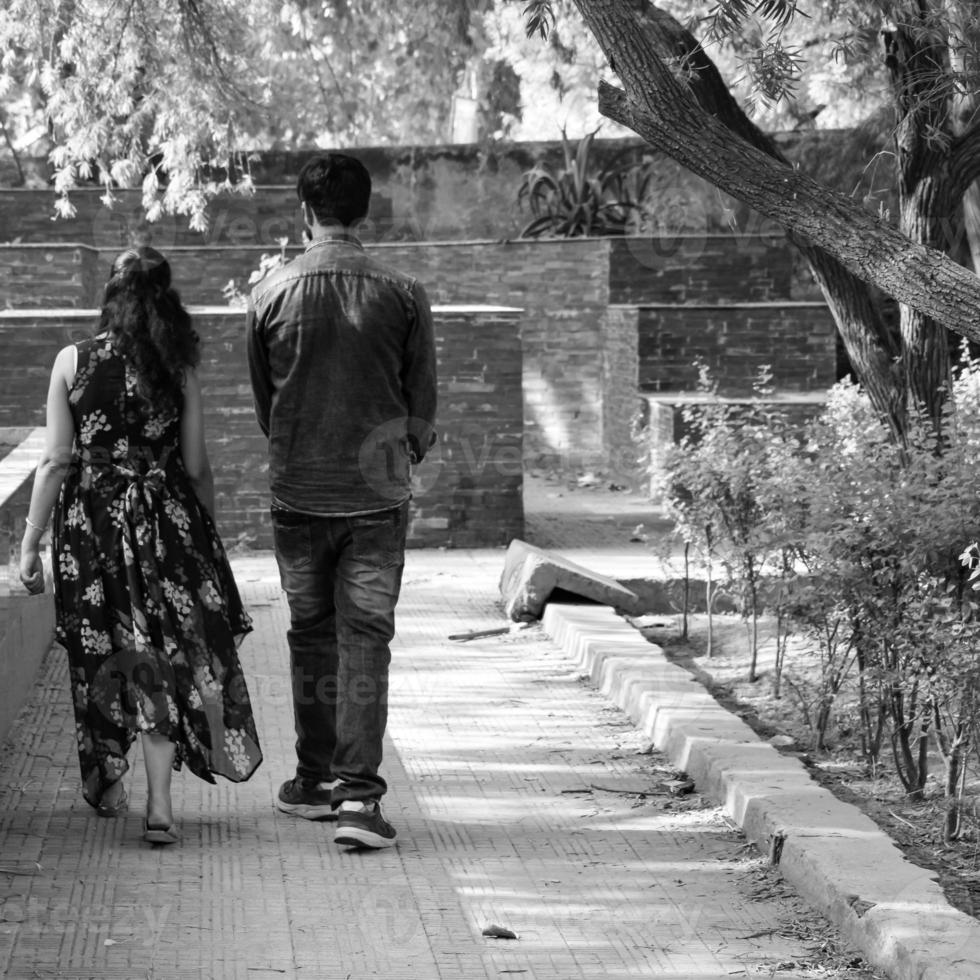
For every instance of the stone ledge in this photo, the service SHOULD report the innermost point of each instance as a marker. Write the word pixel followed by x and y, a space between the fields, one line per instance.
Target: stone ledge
pixel 26 630
pixel 18 466
pixel 835 857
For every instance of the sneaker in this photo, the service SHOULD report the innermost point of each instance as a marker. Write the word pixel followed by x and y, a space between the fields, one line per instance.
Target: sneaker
pixel 310 801
pixel 361 824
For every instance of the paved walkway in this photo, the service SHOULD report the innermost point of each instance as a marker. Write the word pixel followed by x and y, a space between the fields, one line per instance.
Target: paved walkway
pixel 523 799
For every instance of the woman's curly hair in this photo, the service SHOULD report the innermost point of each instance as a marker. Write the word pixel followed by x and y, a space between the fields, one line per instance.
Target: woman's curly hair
pixel 149 326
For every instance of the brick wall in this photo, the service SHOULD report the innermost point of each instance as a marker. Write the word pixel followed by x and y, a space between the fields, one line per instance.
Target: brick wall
pixel 798 342
pixel 57 275
pixel 702 269
pixel 663 426
pixel 621 405
pixel 470 492
pixel 561 284
pixel 579 370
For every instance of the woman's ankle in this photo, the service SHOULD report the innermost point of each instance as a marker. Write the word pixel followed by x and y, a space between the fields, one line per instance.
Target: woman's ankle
pixel 159 813
pixel 113 793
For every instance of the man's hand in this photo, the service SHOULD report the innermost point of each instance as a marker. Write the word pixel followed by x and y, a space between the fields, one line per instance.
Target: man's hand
pixel 415 450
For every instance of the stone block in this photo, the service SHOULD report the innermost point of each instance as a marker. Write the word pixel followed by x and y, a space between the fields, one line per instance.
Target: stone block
pixel 26 630
pixel 531 576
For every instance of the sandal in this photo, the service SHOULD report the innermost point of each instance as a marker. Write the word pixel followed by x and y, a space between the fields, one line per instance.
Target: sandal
pixel 157 834
pixel 113 809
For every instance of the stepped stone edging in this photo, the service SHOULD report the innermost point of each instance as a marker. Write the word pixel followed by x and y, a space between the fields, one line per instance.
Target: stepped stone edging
pixel 836 858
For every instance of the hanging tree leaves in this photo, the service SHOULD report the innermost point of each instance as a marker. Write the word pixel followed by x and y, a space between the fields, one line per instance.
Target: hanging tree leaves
pixel 170 95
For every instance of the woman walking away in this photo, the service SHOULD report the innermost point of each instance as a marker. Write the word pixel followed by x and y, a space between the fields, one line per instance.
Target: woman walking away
pixel 146 604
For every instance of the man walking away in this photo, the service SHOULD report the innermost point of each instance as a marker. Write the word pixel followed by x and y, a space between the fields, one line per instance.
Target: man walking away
pixel 342 360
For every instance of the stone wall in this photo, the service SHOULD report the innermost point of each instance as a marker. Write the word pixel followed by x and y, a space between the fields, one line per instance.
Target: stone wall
pixel 579 358
pixel 707 269
pixel 55 276
pixel 562 285
pixel 796 340
pixel 622 408
pixel 469 493
pixel 580 369
pixel 458 192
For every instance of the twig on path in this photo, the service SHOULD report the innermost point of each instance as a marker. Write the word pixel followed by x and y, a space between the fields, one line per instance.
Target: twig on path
pixel 621 792
pixel 478 634
pixel 904 821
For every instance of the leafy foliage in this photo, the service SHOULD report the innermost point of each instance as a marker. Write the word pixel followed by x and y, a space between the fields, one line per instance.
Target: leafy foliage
pixel 132 91
pixel 719 483
pixel 577 200
pixel 539 16
pixel 728 16
pixel 236 295
pixel 878 535
pixel 173 97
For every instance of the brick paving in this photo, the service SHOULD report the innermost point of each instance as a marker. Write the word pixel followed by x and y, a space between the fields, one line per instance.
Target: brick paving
pixel 523 799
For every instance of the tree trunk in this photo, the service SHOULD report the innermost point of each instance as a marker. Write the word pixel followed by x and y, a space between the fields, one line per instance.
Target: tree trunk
pixel 971 223
pixel 874 349
pixel 926 214
pixel 13 150
pixel 661 110
pixel 964 56
pixel 916 56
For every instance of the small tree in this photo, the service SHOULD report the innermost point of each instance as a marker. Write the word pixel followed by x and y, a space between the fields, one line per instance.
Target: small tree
pixel 715 487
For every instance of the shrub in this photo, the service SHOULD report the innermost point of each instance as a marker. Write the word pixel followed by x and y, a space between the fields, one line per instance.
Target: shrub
pixel 578 200
pixel 863 545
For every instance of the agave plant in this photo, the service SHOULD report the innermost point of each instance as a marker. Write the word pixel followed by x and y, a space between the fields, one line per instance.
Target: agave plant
pixel 577 201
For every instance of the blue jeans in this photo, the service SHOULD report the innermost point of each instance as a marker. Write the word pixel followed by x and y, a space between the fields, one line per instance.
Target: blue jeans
pixel 341 576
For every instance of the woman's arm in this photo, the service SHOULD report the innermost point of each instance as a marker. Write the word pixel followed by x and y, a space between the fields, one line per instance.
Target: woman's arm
pixel 192 447
pixel 51 470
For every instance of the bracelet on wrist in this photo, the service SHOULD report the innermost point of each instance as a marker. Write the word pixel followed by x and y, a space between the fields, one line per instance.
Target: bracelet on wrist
pixel 37 527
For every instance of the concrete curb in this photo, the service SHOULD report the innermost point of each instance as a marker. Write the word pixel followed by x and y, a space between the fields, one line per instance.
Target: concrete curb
pixel 27 625
pixel 835 857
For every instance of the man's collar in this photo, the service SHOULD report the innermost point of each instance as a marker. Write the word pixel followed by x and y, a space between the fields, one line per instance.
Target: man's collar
pixel 336 238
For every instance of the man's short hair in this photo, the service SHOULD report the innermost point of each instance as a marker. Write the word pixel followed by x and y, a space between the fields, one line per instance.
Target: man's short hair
pixel 336 187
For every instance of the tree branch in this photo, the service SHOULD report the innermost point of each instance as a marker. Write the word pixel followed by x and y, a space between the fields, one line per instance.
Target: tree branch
pixel 875 252
pixel 664 113
pixel 872 346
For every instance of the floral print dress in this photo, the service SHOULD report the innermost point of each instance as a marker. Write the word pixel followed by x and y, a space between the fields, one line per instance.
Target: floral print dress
pixel 147 607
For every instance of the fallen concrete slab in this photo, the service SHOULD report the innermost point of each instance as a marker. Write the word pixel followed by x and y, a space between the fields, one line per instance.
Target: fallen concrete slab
pixel 835 857
pixel 531 576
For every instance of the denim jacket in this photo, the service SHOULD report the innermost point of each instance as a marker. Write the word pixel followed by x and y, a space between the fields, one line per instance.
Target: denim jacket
pixel 341 353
